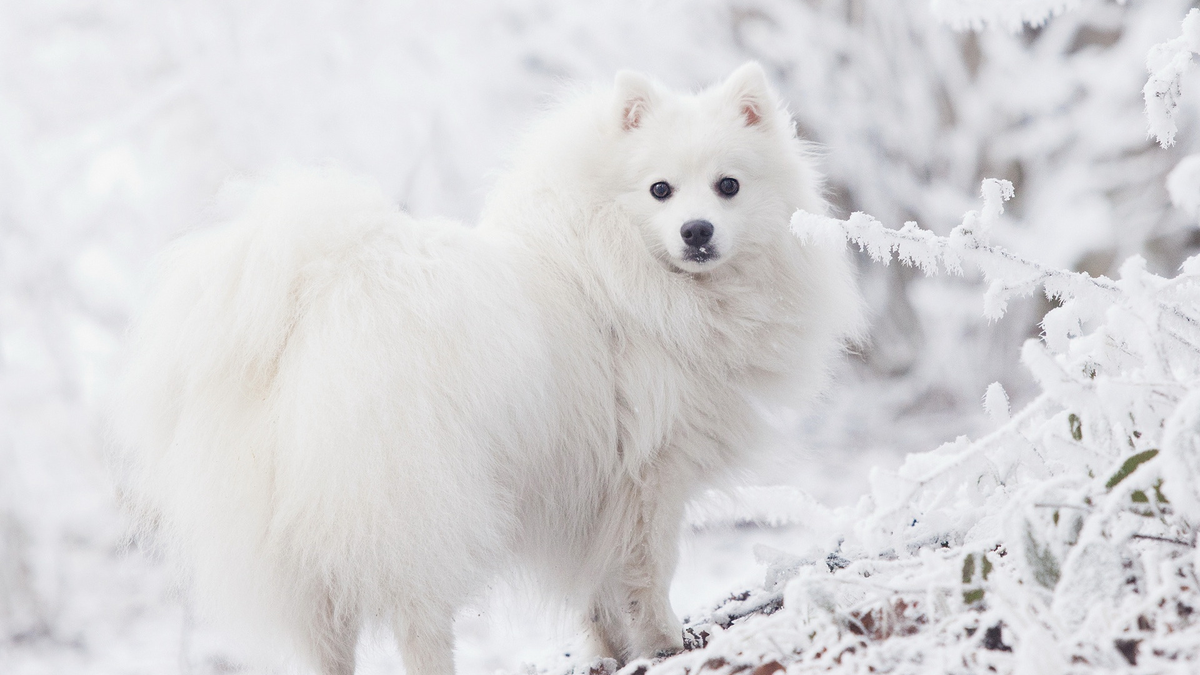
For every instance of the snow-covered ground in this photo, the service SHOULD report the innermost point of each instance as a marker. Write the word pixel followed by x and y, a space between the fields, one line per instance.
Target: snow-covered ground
pixel 120 120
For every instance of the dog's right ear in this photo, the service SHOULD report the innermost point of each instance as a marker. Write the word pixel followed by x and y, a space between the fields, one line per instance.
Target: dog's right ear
pixel 635 95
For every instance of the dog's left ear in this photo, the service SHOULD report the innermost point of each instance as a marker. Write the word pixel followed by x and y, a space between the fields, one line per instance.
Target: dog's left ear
pixel 747 89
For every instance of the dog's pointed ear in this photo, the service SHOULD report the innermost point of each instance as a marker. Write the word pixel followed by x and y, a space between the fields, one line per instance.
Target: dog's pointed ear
pixel 635 95
pixel 747 89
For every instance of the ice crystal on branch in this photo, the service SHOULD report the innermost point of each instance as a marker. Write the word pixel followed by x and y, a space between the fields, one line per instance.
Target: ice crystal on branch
pixel 995 402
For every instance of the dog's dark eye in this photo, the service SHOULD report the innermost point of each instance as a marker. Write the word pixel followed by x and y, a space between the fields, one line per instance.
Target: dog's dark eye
pixel 728 186
pixel 661 190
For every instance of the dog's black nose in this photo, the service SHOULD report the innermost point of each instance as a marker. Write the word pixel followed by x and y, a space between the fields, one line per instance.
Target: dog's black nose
pixel 696 232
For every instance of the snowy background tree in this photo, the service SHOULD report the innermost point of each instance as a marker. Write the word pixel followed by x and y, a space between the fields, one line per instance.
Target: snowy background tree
pixel 1062 539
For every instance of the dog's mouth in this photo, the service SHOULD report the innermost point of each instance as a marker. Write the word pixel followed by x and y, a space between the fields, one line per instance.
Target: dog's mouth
pixel 694 260
pixel 690 260
pixel 700 254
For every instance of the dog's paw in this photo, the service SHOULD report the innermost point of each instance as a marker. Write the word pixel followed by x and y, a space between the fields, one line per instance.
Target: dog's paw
pixel 603 666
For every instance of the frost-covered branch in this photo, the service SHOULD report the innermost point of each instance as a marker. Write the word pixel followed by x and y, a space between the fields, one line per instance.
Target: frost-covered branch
pixel 1008 275
pixel 1168 63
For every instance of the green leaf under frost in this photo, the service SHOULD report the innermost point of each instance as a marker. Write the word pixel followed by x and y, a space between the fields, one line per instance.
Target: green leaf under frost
pixel 1139 496
pixel 1041 560
pixel 973 595
pixel 1076 426
pixel 1158 495
pixel 1129 466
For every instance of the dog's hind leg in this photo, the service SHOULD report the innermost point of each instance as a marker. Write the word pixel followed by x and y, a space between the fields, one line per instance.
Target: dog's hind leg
pixel 426 640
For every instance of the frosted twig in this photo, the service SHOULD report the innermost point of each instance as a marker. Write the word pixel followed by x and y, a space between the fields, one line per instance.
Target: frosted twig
pixel 1167 540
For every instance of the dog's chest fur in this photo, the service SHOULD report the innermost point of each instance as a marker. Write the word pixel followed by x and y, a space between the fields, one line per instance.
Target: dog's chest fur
pixel 689 364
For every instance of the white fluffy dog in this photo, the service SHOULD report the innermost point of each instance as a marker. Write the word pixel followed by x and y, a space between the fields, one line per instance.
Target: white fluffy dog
pixel 335 415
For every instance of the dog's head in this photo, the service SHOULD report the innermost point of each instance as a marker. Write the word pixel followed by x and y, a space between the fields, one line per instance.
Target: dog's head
pixel 707 174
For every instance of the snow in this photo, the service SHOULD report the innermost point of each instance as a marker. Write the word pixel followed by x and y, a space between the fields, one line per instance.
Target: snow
pixel 900 524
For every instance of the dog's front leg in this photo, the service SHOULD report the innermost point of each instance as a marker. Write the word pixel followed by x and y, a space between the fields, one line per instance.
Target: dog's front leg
pixel 656 630
pixel 335 637
pixel 630 614
pixel 426 640
pixel 607 622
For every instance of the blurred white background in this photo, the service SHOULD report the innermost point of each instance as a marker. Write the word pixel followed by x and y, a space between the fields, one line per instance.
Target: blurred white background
pixel 120 121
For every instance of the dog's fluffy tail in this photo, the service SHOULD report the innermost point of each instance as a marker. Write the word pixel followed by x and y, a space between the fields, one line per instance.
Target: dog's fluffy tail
pixel 226 298
pixel 193 440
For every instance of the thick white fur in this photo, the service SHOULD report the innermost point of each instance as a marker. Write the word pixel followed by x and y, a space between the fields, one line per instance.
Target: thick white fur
pixel 335 415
